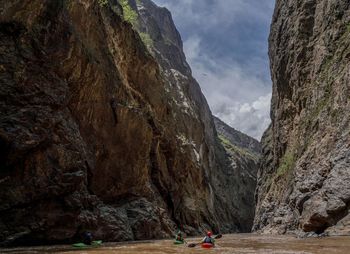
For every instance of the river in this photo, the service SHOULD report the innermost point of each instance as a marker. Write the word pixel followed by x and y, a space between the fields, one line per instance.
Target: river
pixel 229 244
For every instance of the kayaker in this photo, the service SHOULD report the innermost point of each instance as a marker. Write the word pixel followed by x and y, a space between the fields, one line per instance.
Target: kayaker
pixel 87 238
pixel 208 238
pixel 179 237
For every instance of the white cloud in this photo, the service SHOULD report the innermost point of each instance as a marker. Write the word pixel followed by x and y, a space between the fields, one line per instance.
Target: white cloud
pixel 236 95
pixel 192 46
pixel 238 91
pixel 252 118
pixel 212 13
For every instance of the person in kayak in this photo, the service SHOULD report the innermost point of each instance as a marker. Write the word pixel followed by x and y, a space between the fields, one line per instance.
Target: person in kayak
pixel 208 239
pixel 179 237
pixel 87 238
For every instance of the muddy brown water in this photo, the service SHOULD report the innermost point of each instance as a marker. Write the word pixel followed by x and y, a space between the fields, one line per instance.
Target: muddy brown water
pixel 229 244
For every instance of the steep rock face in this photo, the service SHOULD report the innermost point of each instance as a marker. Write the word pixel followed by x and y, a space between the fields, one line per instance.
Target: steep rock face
pixel 227 174
pixel 243 153
pixel 81 107
pixel 238 138
pixel 99 132
pixel 304 182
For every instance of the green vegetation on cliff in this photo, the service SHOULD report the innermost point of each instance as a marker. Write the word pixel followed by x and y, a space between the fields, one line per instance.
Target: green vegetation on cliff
pixel 235 149
pixel 128 13
pixel 146 38
pixel 102 2
pixel 286 165
pixel 132 16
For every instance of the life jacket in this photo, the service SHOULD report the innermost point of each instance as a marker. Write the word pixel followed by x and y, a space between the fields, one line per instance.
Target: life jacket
pixel 179 238
pixel 208 240
pixel 87 238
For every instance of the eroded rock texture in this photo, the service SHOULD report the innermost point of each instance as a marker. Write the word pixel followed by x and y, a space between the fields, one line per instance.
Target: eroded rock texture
pixel 304 182
pixel 241 155
pixel 103 128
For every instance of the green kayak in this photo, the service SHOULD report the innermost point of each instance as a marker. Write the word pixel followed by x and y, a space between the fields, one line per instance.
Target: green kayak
pixel 83 245
pixel 178 242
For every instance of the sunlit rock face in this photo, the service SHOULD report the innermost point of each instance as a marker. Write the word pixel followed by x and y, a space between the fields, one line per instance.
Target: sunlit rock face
pixel 304 181
pixel 103 128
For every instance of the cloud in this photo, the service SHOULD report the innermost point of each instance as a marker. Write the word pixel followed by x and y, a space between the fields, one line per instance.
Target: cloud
pixel 215 12
pixel 246 116
pixel 237 96
pixel 225 42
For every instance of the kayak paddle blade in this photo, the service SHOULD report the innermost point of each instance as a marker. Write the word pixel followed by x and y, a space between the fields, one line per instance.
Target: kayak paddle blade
pixel 218 236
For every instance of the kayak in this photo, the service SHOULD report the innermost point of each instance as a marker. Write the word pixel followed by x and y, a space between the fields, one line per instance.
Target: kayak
pixel 83 245
pixel 178 242
pixel 207 245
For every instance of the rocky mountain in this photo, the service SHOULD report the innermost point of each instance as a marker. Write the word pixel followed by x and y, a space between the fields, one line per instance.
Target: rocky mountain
pixel 304 181
pixel 237 138
pixel 103 128
pixel 243 153
pixel 229 181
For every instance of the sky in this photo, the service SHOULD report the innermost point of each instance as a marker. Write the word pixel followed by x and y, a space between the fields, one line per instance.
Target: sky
pixel 225 42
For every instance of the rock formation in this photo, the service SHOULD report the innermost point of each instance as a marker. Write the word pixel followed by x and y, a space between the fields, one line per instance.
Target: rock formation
pixel 238 139
pixel 103 128
pixel 304 181
pixel 243 153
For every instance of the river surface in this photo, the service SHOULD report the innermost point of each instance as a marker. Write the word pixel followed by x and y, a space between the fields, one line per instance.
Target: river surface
pixel 229 244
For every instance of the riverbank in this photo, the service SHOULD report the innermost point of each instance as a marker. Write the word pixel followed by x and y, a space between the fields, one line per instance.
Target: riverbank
pixel 237 243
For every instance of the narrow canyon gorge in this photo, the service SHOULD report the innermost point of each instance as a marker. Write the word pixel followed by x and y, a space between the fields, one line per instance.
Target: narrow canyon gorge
pixel 103 127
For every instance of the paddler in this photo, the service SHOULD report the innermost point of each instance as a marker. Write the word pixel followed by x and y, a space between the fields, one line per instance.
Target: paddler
pixel 179 237
pixel 87 238
pixel 208 238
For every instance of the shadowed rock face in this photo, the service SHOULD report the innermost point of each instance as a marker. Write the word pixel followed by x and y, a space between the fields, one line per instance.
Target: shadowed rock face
pixel 102 128
pixel 231 173
pixel 242 155
pixel 304 181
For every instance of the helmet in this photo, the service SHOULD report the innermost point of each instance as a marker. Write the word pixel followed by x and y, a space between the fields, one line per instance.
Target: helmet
pixel 209 233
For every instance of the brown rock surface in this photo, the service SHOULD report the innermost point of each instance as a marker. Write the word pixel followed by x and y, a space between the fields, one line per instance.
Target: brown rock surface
pixel 304 181
pixel 99 132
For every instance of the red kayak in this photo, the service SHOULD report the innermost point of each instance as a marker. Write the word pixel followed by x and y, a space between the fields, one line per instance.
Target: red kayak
pixel 207 245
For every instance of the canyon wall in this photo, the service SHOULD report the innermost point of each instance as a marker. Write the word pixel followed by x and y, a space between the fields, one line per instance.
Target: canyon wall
pixel 103 128
pixel 304 180
pixel 241 156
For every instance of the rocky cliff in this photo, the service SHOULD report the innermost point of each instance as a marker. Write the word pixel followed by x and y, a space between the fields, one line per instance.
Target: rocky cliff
pixel 242 163
pixel 304 181
pixel 237 138
pixel 103 128
pixel 231 178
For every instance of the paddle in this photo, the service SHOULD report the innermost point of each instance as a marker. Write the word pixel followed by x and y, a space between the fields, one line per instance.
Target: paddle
pixel 218 236
pixel 192 245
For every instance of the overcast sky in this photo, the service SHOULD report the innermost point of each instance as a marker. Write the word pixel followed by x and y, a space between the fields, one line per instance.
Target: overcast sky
pixel 225 42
